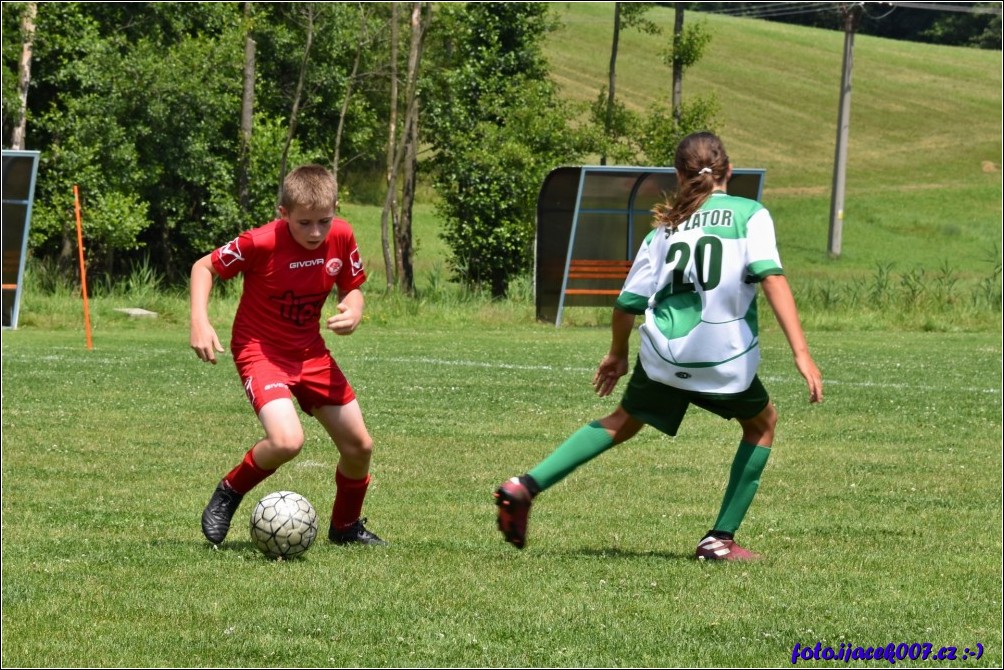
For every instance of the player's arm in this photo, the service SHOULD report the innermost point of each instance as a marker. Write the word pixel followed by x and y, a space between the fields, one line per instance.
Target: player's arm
pixel 778 294
pixel 350 312
pixel 615 364
pixel 203 338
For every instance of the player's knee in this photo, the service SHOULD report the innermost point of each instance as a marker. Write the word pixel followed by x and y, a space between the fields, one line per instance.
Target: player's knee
pixel 286 446
pixel 770 417
pixel 620 425
pixel 760 429
pixel 357 448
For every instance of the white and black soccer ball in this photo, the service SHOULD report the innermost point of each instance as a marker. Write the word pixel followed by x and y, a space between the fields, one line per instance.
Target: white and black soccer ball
pixel 283 524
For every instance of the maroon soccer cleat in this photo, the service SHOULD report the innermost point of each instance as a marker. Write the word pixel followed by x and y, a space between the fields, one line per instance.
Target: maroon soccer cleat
pixel 712 548
pixel 514 502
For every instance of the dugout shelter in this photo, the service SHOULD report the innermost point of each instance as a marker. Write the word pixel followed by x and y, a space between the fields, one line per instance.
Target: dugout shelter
pixel 591 220
pixel 19 171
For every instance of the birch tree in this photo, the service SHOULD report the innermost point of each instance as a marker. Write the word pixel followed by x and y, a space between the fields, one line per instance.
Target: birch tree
pixel 24 74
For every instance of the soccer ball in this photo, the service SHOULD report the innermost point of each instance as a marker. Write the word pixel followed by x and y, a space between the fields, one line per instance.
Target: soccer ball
pixel 283 524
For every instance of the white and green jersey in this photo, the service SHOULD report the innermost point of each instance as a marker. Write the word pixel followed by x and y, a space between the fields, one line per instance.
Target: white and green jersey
pixel 697 288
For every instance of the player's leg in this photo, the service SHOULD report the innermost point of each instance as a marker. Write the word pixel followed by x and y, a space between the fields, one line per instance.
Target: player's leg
pixel 644 402
pixel 345 425
pixel 583 446
pixel 744 480
pixel 283 439
pixel 515 496
pixel 267 388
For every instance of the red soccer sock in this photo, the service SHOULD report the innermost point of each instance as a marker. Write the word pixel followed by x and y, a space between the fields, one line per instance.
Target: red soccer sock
pixel 246 475
pixel 349 495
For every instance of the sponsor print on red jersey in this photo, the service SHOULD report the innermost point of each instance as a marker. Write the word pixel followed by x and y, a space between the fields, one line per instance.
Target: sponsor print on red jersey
pixel 286 285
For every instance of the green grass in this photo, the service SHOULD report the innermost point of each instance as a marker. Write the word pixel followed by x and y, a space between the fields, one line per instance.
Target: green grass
pixel 924 151
pixel 879 512
pixel 922 115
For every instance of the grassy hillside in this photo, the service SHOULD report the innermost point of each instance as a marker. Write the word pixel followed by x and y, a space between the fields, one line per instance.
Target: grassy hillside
pixel 924 154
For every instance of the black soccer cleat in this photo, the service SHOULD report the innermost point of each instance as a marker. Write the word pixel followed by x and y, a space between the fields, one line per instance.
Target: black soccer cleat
pixel 218 513
pixel 354 534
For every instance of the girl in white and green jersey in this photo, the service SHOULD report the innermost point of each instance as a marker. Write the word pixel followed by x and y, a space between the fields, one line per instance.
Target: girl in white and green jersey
pixel 695 281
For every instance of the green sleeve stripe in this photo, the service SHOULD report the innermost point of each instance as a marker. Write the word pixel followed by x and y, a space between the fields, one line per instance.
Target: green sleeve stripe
pixel 632 303
pixel 757 271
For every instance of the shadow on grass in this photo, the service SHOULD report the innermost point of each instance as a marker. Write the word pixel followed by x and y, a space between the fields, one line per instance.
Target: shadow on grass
pixel 243 548
pixel 239 545
pixel 631 553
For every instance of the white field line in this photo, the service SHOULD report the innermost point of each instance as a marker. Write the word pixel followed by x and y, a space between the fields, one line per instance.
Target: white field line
pixel 491 365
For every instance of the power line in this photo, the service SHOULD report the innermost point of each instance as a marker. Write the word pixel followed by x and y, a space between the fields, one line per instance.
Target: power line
pixel 878 18
pixel 757 10
pixel 762 9
pixel 769 12
pixel 955 7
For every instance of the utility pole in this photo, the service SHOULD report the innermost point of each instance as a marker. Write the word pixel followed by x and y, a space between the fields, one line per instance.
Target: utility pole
pixel 852 14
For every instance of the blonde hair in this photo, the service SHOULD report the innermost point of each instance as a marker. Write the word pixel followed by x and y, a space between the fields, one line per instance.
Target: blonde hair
pixel 700 163
pixel 309 186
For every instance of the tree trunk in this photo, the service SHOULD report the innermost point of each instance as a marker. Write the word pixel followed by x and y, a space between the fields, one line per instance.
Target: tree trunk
pixel 294 111
pixel 677 61
pixel 24 74
pixel 608 121
pixel 247 114
pixel 349 85
pixel 390 201
pixel 403 232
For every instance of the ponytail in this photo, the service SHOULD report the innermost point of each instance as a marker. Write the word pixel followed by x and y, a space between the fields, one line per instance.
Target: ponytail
pixel 701 162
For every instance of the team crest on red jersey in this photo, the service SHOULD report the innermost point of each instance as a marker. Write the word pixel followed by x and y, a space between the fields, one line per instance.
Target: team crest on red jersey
pixel 356 262
pixel 230 253
pixel 333 266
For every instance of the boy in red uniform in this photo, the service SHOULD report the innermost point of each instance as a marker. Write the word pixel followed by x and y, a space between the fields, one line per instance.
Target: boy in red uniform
pixel 290 266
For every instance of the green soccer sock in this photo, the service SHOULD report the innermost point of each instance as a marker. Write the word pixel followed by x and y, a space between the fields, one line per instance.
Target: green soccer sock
pixel 744 479
pixel 583 445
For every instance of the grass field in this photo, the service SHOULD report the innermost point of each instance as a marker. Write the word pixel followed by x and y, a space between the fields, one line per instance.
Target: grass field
pixel 924 147
pixel 922 116
pixel 879 513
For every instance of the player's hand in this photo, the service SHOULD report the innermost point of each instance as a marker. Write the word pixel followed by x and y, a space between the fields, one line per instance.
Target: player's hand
pixel 611 369
pixel 813 377
pixel 205 342
pixel 345 322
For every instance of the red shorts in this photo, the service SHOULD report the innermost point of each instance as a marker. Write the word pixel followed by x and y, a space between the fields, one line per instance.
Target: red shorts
pixel 314 382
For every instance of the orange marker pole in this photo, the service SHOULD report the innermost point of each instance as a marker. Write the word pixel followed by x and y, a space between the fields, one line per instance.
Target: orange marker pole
pixel 83 270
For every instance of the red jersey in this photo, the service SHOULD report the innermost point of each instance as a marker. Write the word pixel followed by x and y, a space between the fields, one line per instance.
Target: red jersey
pixel 286 285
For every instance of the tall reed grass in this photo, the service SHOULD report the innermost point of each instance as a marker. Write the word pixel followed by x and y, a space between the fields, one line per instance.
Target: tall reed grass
pixel 914 299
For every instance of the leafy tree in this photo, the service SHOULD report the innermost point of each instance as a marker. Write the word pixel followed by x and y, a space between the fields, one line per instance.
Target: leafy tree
pixel 135 103
pixel 402 156
pixel 344 85
pixel 497 128
pixel 615 119
pixel 981 30
pixel 11 17
pixel 687 47
pixel 661 131
pixel 140 104
pixel 976 24
pixel 617 135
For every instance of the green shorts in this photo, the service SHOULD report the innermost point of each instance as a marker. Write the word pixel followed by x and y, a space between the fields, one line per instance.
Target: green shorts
pixel 663 407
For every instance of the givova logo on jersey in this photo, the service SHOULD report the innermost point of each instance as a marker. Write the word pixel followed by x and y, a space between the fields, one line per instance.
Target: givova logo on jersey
pixel 313 262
